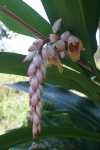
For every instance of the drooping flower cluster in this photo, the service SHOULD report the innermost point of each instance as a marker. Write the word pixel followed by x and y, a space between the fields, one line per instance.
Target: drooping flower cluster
pixel 43 53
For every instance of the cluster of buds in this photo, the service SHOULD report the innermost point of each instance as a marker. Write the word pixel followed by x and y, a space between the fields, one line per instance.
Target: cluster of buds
pixel 40 145
pixel 43 53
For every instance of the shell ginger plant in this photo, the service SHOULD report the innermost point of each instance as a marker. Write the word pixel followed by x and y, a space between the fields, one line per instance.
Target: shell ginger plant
pixel 43 54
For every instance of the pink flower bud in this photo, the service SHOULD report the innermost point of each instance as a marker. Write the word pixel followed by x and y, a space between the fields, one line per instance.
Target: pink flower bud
pixel 34 82
pixel 32 116
pixel 34 131
pixel 34 100
pixel 32 110
pixel 38 111
pixel 37 60
pixel 56 25
pixel 57 56
pixel 29 56
pixel 40 105
pixel 39 76
pixel 36 45
pixel 38 93
pixel 40 87
pixel 31 91
pixel 31 69
pixel 53 38
pixel 30 78
pixel 39 128
pixel 51 51
pixel 62 54
pixel 45 53
pixel 45 63
pixel 72 39
pixel 65 36
pixel 83 49
pixel 60 45
pixel 43 69
pixel 36 119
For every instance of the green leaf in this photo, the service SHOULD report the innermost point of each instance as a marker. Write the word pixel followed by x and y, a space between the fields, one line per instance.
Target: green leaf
pixel 68 79
pixel 27 14
pixel 24 134
pixel 66 101
pixel 78 122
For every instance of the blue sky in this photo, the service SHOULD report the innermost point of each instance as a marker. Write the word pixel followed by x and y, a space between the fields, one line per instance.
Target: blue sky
pixel 21 43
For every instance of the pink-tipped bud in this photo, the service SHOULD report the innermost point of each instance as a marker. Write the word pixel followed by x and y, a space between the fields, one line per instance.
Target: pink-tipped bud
pixel 43 69
pixel 45 53
pixel 65 36
pixel 31 91
pixel 72 39
pixel 51 51
pixel 31 69
pixel 37 60
pixel 32 110
pixel 38 93
pixel 39 76
pixel 36 119
pixel 30 78
pixel 60 45
pixel 32 116
pixel 56 25
pixel 38 111
pixel 83 49
pixel 34 131
pixel 34 100
pixel 40 105
pixel 57 56
pixel 34 83
pixel 40 87
pixel 36 45
pixel 39 128
pixel 29 56
pixel 62 54
pixel 53 38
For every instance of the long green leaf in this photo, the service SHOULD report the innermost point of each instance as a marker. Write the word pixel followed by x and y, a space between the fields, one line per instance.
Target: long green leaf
pixel 27 14
pixel 14 65
pixel 22 135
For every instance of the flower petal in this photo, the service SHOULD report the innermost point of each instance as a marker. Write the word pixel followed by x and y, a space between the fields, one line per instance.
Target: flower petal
pixel 39 76
pixel 60 45
pixel 43 69
pixel 36 45
pixel 65 36
pixel 62 54
pixel 34 82
pixel 45 53
pixel 53 38
pixel 40 87
pixel 34 131
pixel 38 111
pixel 37 60
pixel 40 105
pixel 34 100
pixel 31 69
pixel 29 56
pixel 36 119
pixel 56 25
pixel 38 93
pixel 31 91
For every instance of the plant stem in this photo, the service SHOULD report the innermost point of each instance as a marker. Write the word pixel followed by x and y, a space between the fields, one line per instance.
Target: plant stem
pixel 23 23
